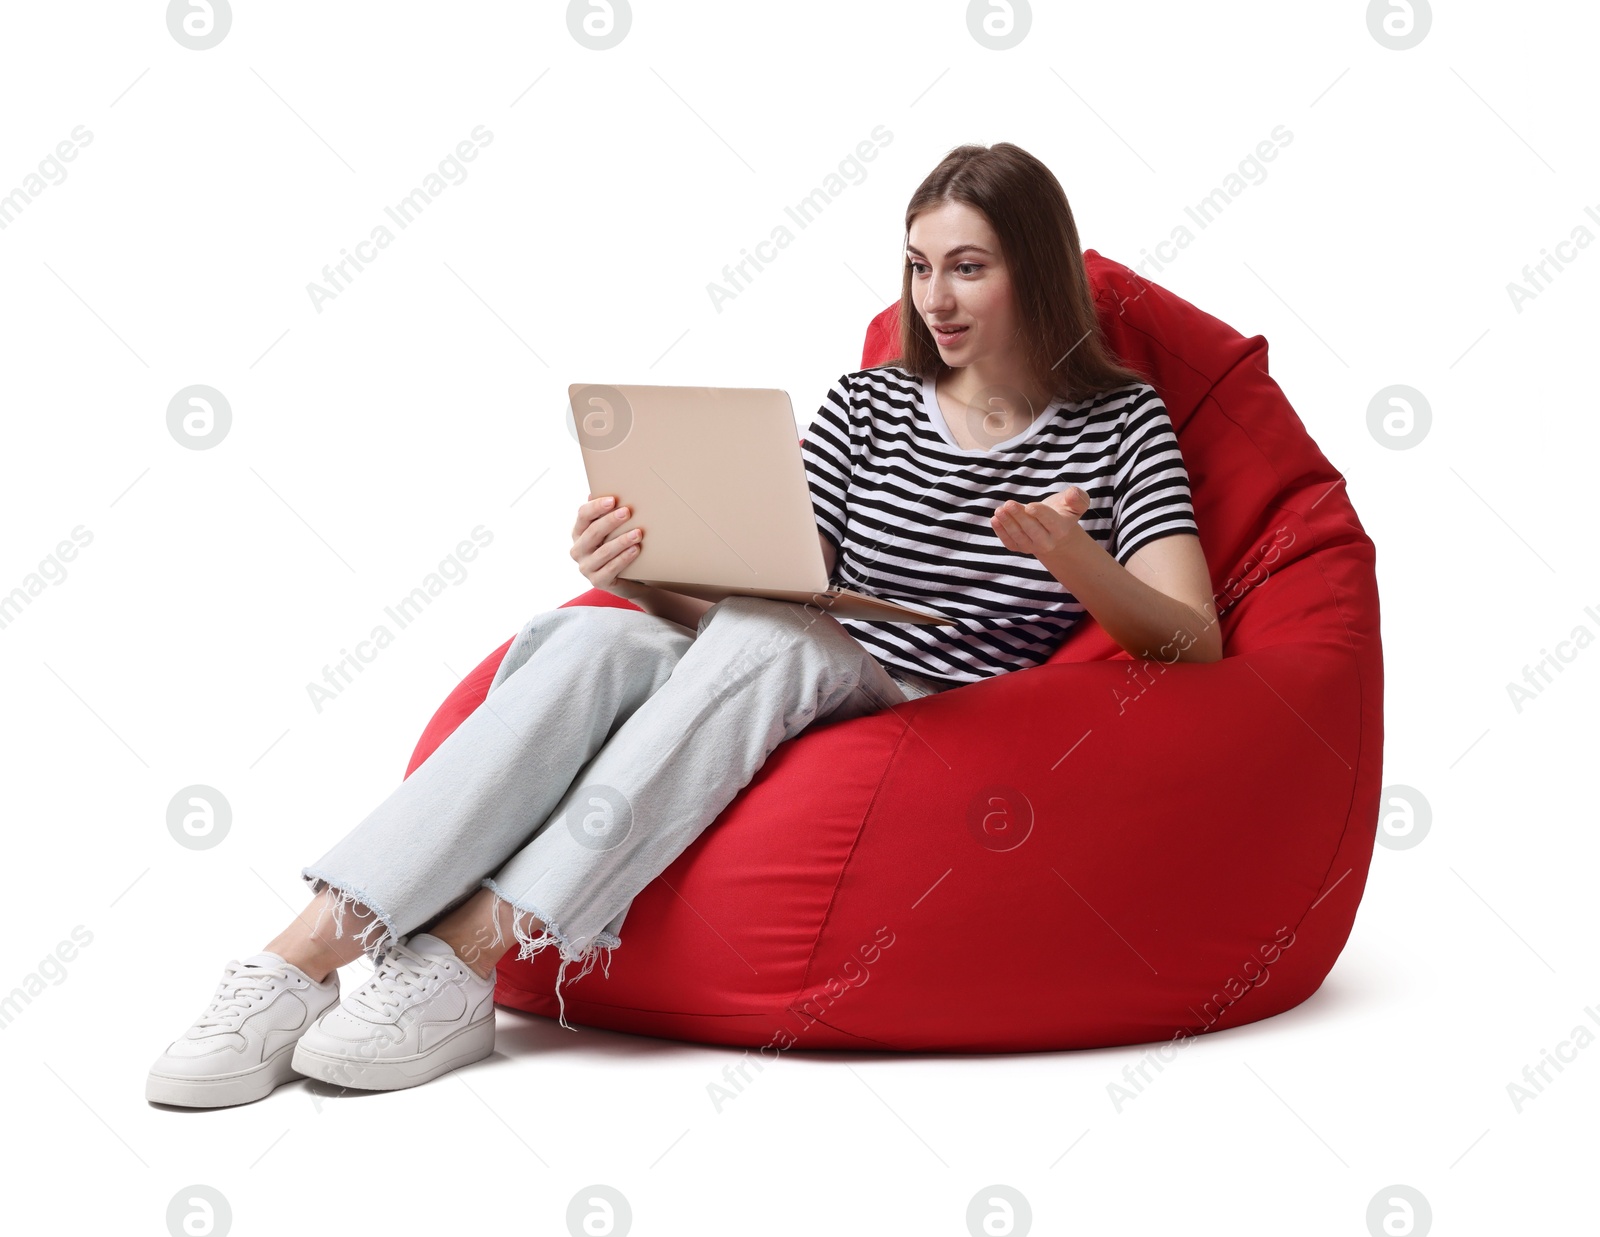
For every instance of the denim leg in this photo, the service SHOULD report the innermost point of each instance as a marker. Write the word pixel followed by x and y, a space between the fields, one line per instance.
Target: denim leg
pixel 758 672
pixel 571 677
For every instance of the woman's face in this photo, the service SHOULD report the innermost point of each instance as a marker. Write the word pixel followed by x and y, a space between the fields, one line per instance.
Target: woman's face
pixel 959 278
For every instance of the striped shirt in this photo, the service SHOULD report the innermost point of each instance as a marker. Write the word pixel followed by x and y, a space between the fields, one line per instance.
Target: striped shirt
pixel 908 510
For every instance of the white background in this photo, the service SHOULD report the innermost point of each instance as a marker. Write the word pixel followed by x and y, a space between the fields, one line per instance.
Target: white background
pixel 428 397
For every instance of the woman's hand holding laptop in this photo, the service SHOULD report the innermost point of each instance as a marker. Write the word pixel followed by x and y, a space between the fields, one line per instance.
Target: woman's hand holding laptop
pixel 602 550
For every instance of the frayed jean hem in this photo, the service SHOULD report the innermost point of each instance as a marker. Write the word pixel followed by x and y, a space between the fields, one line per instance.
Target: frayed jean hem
pixel 376 948
pixel 528 944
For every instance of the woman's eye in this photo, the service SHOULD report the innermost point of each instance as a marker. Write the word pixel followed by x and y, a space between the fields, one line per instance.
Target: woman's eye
pixel 918 267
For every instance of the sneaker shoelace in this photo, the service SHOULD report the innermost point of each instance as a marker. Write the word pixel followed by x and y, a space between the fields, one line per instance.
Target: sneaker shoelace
pixel 237 992
pixel 404 973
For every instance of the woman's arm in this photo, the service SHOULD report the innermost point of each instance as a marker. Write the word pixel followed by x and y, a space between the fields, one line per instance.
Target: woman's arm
pixel 1158 606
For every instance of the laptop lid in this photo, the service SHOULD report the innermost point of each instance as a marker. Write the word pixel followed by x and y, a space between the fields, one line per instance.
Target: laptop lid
pixel 713 474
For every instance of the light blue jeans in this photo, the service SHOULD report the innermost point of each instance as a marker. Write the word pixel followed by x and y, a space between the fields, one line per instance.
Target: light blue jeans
pixel 609 739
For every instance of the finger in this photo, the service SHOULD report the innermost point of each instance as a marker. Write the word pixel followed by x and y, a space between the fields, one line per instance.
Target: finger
pixel 602 559
pixel 1009 529
pixel 601 527
pixel 619 551
pixel 1028 519
pixel 587 512
pixel 1050 518
pixel 1031 531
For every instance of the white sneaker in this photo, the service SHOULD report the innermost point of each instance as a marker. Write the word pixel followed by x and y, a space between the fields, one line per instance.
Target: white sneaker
pixel 423 1013
pixel 242 1046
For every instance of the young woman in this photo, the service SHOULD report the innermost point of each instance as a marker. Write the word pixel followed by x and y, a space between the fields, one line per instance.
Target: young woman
pixel 1003 468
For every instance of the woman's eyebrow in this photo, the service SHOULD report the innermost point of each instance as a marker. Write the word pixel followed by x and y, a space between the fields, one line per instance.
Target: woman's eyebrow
pixel 953 252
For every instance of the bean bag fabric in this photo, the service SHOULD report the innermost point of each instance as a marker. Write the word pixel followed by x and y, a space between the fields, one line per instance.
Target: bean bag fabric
pixel 1099 850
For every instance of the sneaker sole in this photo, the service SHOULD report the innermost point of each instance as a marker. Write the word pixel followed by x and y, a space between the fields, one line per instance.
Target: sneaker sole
pixel 463 1047
pixel 224 1090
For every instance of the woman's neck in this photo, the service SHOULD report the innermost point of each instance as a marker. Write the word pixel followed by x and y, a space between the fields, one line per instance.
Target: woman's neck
pixel 961 385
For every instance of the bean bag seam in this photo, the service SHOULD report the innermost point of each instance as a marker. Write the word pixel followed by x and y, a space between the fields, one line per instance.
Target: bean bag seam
pixel 1187 364
pixel 580 1003
pixel 1284 485
pixel 1255 344
pixel 1361 744
pixel 1107 294
pixel 833 898
pixel 1321 542
pixel 841 1031
pixel 1209 396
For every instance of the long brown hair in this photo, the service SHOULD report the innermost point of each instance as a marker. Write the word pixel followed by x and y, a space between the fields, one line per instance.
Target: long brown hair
pixel 1026 206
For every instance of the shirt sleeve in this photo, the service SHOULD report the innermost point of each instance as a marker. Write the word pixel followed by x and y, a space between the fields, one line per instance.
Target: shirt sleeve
pixel 828 452
pixel 1151 497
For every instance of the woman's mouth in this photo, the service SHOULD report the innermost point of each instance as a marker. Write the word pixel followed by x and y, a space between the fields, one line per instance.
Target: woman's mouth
pixel 948 336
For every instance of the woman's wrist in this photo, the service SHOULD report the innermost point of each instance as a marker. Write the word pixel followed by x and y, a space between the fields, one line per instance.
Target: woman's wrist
pixel 645 596
pixel 679 608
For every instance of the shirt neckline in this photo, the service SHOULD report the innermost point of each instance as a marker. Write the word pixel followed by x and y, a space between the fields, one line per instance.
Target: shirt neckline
pixel 931 409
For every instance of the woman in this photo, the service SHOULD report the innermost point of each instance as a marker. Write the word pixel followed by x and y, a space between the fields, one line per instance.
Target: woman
pixel 1004 468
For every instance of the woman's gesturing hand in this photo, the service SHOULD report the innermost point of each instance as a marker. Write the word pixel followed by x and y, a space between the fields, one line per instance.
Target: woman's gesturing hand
pixel 599 549
pixel 1041 528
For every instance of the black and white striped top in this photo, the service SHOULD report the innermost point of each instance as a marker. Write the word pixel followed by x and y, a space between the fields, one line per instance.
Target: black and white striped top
pixel 909 511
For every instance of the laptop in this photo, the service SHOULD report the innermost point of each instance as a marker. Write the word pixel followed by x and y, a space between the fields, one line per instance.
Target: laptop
pixel 716 478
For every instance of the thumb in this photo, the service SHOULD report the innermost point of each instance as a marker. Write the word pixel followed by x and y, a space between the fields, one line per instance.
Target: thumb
pixel 1075 499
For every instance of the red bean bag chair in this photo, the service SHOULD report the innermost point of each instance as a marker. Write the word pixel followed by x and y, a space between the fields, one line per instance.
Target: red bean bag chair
pixel 1099 850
